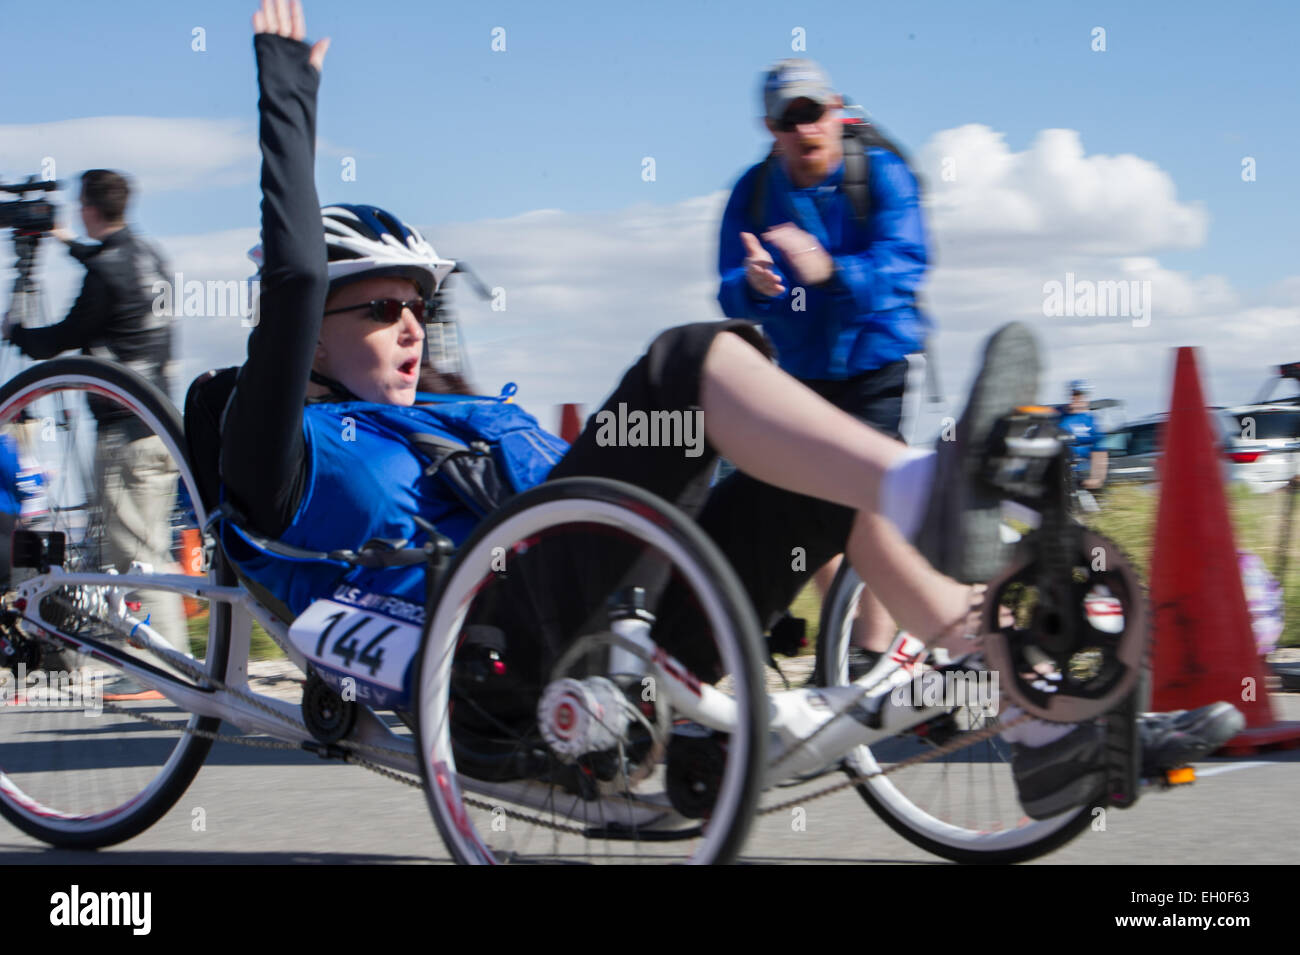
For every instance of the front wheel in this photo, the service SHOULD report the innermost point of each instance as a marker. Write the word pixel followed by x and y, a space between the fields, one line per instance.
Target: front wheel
pixel 88 755
pixel 543 732
pixel 962 806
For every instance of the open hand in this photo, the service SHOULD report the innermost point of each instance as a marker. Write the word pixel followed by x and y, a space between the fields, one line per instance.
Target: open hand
pixel 285 19
pixel 759 267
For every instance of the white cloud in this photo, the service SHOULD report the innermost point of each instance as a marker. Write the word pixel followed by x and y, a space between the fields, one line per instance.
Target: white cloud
pixel 585 293
pixel 160 154
pixel 997 204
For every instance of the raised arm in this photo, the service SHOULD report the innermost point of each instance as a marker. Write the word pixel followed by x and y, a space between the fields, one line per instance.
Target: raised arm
pixel 263 455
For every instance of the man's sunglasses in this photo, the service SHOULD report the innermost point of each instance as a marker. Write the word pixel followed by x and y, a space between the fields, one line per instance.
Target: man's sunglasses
pixel 389 310
pixel 795 116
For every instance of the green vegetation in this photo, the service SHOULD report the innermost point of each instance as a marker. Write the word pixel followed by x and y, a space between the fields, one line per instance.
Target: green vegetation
pixel 1128 517
pixel 261 646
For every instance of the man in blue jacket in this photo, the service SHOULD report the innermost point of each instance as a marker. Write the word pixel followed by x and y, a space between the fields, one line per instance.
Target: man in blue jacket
pixel 831 275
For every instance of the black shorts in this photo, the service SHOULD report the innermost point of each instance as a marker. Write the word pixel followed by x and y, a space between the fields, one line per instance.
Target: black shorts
pixel 773 538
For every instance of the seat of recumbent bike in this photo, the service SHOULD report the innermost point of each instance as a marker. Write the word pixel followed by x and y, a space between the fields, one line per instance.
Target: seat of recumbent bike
pixel 205 404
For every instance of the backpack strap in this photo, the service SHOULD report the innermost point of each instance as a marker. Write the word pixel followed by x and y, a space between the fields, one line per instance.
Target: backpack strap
pixel 857 176
pixel 758 196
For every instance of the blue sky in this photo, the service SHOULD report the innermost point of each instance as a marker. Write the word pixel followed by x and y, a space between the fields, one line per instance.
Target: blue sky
pixel 451 134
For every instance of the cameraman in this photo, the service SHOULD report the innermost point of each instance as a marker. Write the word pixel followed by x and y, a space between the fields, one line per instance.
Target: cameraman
pixel 114 318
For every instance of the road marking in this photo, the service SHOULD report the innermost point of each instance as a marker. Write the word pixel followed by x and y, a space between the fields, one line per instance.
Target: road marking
pixel 1201 773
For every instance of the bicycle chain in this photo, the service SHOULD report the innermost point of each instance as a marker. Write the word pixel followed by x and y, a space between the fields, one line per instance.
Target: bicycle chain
pixel 180 662
pixel 183 663
pixel 969 738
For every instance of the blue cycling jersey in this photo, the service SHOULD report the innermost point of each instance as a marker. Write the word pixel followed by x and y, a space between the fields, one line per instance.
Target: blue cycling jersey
pixel 1083 427
pixel 366 481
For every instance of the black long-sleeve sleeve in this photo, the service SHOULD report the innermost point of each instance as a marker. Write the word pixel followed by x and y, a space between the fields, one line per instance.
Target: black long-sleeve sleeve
pixel 82 325
pixel 263 462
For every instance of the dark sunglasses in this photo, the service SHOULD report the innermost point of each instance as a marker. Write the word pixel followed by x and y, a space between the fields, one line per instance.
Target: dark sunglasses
pixel 809 112
pixel 389 310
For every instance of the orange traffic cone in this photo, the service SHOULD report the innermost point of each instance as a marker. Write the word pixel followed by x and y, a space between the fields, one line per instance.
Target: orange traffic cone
pixel 570 422
pixel 1204 645
pixel 192 564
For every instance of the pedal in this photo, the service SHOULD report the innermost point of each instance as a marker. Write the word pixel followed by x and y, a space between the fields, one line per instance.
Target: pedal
pixel 1021 449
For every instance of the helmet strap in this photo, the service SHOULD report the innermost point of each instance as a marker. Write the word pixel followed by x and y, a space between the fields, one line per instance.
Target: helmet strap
pixel 337 391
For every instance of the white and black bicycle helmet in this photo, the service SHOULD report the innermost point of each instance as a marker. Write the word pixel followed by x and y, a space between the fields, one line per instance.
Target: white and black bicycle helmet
pixel 365 242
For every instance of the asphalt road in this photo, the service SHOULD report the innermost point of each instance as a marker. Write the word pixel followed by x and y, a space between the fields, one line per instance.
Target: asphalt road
pixel 267 807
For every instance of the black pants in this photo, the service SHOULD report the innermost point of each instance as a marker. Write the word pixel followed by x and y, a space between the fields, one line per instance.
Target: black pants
pixel 773 538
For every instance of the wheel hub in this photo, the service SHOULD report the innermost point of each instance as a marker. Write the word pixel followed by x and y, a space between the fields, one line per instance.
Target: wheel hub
pixel 577 717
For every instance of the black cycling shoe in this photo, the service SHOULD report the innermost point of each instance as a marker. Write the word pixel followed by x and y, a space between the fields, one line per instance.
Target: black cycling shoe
pixel 1171 740
pixel 960 534
pixel 861 662
pixel 1062 775
pixel 1070 772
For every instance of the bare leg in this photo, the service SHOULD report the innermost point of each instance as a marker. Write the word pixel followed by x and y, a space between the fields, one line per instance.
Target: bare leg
pixel 873 628
pixel 783 433
pixel 825 575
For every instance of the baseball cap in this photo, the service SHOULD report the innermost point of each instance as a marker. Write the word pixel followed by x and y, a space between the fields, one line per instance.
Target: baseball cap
pixel 1080 386
pixel 789 80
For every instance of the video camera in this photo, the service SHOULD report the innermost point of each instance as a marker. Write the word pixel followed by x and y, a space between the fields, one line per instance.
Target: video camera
pixel 28 216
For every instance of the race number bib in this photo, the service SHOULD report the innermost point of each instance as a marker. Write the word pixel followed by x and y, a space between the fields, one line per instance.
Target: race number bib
pixel 370 646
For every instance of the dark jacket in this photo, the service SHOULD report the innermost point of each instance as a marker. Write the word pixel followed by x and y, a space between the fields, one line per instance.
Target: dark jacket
pixel 114 316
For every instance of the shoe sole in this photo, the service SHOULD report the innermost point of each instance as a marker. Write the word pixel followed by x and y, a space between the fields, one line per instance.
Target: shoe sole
pixel 1048 767
pixel 1007 379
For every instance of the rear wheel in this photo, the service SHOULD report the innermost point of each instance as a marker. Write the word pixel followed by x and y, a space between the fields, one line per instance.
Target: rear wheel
pixel 962 806
pixel 543 733
pixel 102 468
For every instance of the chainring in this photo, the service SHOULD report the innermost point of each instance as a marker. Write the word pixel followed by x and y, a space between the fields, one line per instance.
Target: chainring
pixel 1094 672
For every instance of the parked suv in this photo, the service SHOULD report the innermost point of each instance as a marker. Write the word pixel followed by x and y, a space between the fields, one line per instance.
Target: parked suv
pixel 1265 448
pixel 1134 448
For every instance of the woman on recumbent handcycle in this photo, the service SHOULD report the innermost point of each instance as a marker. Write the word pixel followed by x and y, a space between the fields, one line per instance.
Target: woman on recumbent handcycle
pixel 341 310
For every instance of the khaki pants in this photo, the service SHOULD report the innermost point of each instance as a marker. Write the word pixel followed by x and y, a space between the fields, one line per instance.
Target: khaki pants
pixel 136 482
